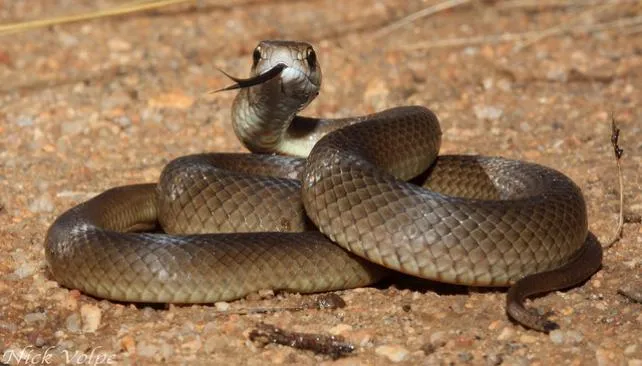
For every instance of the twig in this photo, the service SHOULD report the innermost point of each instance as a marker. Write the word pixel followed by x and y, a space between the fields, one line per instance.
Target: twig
pixel 444 5
pixel 509 37
pixel 522 4
pixel 617 152
pixel 334 346
pixel 119 10
pixel 563 27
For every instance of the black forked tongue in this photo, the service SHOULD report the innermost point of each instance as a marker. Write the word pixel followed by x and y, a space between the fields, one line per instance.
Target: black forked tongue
pixel 255 80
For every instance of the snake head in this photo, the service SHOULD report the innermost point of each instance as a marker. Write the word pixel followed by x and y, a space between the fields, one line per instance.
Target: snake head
pixel 287 67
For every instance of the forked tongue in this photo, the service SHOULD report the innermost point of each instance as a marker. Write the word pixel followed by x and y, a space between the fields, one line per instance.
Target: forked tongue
pixel 255 80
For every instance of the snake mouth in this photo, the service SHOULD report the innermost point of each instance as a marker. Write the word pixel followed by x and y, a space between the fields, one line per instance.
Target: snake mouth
pixel 254 80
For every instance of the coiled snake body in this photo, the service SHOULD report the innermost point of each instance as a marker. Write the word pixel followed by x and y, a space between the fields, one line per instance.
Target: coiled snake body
pixel 237 223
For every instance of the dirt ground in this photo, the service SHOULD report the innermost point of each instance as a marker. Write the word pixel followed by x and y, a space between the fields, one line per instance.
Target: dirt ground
pixel 92 105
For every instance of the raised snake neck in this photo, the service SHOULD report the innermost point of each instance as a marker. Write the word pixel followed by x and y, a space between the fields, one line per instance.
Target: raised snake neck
pixel 490 221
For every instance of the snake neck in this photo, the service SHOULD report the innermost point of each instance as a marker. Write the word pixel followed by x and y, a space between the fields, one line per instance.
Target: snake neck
pixel 261 120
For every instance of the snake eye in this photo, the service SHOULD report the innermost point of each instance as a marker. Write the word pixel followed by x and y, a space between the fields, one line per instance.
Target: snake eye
pixel 311 57
pixel 256 55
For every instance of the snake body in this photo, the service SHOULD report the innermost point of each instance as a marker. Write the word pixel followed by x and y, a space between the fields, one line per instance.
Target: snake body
pixel 233 224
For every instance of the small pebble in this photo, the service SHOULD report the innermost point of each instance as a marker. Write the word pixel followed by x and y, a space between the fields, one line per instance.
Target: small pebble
pixel 215 343
pixel 394 353
pixel 438 339
pixel 488 113
pixel 41 204
pixel 494 359
pixel 465 356
pixel 91 315
pixel 73 323
pixel 192 346
pixel 630 349
pixel 35 317
pixel 557 336
pixel 24 121
pixel 222 306
pixel 340 329
pixel 128 344
pixel 145 349
pixel 266 294
pixel 526 338
pixel 24 270
pixel 506 334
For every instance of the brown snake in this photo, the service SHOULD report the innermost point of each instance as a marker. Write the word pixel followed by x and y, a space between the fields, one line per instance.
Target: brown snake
pixel 233 224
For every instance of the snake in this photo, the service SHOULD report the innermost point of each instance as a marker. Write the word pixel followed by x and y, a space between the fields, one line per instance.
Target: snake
pixel 322 204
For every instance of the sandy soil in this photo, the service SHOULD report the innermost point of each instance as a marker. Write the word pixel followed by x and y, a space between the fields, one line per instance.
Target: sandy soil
pixel 93 105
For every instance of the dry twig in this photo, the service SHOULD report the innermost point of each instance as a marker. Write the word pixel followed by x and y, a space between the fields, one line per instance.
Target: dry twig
pixel 333 346
pixel 510 37
pixel 135 6
pixel 444 5
pixel 617 152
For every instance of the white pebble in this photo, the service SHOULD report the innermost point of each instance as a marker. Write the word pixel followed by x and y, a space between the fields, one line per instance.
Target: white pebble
pixel 557 336
pixel 41 204
pixel 340 329
pixel 506 334
pixel 145 349
pixel 487 112
pixel 24 270
pixel 91 315
pixel 35 317
pixel 438 339
pixel 73 323
pixel 394 353
pixel 222 306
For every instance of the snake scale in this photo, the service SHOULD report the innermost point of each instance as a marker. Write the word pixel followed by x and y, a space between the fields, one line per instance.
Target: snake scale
pixel 372 195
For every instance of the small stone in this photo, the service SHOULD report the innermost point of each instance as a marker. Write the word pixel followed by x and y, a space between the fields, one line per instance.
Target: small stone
pixel 494 359
pixel 465 356
pixel 175 100
pixel 73 323
pixel 35 317
pixel 215 343
pixel 557 336
pixel 438 339
pixel 604 357
pixel 24 270
pixel 192 346
pixel 67 40
pixel 340 329
pixel 166 350
pixel 128 344
pixel 394 353
pixel 266 294
pixel 632 291
pixel 329 301
pixel 41 204
pixel 222 306
pixel 91 315
pixel 145 349
pixel 24 121
pixel 71 128
pixel 488 113
pixel 70 301
pixel 630 349
pixel 574 337
pixel 506 334
pixel 118 45
pixel 526 338
pixel 557 74
pixel 210 327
